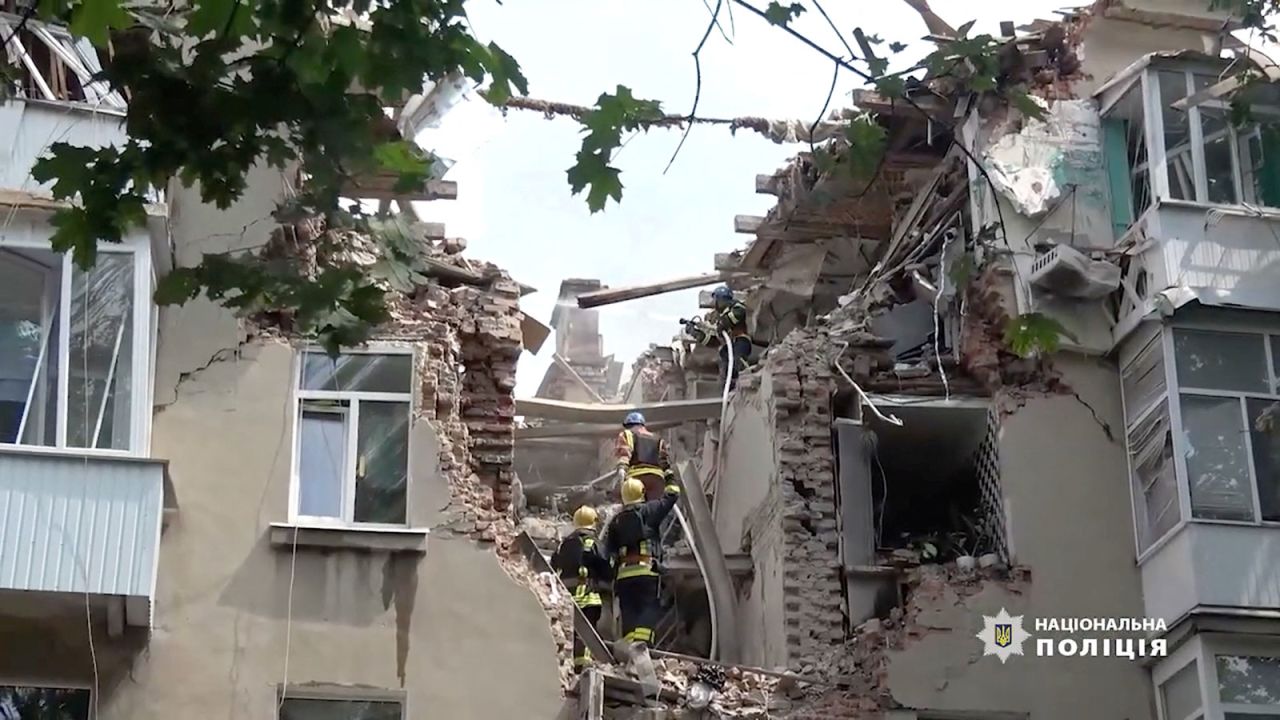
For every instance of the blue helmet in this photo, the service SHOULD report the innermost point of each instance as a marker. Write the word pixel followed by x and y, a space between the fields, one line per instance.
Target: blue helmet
pixel 722 293
pixel 634 418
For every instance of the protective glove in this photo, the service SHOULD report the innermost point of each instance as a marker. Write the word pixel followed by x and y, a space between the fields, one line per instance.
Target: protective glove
pixel 621 474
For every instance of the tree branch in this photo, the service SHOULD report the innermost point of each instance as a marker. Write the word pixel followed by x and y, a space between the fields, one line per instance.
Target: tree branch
pixel 697 88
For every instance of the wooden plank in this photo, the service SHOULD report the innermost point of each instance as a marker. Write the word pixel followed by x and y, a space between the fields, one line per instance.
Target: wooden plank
pixel 591 696
pixel 616 295
pixel 726 262
pixel 605 413
pixel 581 625
pixel 738 564
pixel 747 223
pixel 23 199
pixel 382 186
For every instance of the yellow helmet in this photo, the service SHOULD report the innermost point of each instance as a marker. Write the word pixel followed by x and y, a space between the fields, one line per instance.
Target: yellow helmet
pixel 632 491
pixel 584 517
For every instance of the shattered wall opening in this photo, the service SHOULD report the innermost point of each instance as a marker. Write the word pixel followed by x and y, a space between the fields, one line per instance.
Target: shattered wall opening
pixel 927 495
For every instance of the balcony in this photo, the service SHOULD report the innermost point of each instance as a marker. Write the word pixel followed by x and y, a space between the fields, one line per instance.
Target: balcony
pixel 83 525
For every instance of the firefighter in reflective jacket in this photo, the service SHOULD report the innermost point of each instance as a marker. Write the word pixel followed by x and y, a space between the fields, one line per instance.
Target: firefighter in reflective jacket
pixel 729 316
pixel 630 547
pixel 642 455
pixel 585 572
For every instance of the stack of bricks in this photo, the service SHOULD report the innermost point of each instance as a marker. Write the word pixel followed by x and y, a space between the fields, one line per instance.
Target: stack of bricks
pixel 803 386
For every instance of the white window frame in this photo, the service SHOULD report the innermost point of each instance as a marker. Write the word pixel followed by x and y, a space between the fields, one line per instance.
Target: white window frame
pixel 352 413
pixel 1177 390
pixel 1165 400
pixel 142 381
pixel 46 685
pixel 340 693
pixel 1205 648
pixel 1157 158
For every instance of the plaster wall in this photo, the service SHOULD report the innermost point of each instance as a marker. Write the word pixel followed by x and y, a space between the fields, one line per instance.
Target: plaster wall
pixel 438 626
pixel 1067 502
pixel 750 464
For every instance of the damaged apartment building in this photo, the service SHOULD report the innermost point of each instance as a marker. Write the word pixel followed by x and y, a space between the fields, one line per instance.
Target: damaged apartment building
pixel 202 515
pixel 1031 366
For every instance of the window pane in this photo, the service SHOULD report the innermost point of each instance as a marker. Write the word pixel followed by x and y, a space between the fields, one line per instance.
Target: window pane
pixel 357 371
pixel 29 293
pixel 309 709
pixel 1220 361
pixel 1177 136
pixel 1217 465
pixel 1251 680
pixel 1219 160
pixel 100 364
pixel 1154 478
pixel 382 466
pixel 1264 426
pixel 322 442
pixel 30 703
pixel 1181 693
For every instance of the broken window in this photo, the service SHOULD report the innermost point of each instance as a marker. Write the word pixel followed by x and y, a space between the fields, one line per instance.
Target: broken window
pixel 70 360
pixel 1230 444
pixel 1208 158
pixel 43 703
pixel 352 455
pixel 312 708
pixel 1125 148
pixel 54 65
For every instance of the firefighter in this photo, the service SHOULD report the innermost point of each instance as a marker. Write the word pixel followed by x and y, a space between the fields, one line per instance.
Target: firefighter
pixel 642 455
pixel 585 573
pixel 631 548
pixel 729 316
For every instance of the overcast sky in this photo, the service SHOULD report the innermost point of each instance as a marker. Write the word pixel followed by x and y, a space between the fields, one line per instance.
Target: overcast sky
pixel 514 206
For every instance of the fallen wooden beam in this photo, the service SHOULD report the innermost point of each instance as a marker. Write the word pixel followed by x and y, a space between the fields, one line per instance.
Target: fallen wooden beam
pixel 602 413
pixel 382 186
pixel 445 271
pixel 569 430
pixel 616 295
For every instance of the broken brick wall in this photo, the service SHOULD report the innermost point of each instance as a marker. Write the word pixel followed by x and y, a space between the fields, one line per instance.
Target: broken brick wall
pixel 791 532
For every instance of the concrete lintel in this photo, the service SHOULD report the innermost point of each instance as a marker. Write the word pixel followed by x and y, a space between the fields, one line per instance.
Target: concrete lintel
pixel 767 184
pixel 747 223
pixel 286 535
pixel 674 410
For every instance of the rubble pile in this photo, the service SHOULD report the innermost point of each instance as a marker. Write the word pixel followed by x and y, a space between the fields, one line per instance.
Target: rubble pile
pixel 858 668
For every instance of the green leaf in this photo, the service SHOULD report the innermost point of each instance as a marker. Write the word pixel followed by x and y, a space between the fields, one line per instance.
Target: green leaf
pixel 1032 333
pixel 962 270
pixel 892 86
pixel 179 286
pixel 963 30
pixel 866 146
pixel 604 181
pixel 400 156
pixel 1027 105
pixel 505 72
pixel 94 19
pixel 75 233
pixel 897 47
pixel 234 17
pixel 70 168
pixel 779 14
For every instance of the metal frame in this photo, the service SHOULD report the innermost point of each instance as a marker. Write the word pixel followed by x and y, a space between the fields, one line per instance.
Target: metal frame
pixel 340 693
pixel 1204 649
pixel 8 681
pixel 351 413
pixel 141 363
